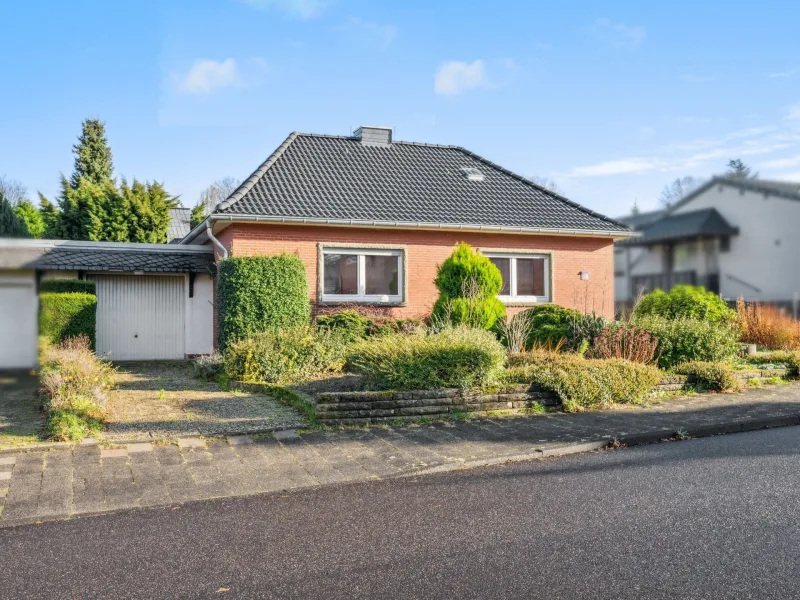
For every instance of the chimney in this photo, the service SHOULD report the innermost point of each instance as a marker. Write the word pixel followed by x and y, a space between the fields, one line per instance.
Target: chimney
pixel 374 136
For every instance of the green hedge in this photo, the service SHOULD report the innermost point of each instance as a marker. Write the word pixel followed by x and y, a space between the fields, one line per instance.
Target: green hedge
pixel 67 286
pixel 685 301
pixel 63 316
pixel 260 293
pixel 689 340
pixel 550 323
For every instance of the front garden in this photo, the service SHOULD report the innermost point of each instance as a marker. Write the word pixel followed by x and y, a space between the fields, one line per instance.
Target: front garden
pixel 355 364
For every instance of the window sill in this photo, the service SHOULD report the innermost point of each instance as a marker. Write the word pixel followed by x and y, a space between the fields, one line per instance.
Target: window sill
pixel 513 303
pixel 362 302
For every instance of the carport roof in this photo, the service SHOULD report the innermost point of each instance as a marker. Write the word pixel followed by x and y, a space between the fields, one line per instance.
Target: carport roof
pixel 53 255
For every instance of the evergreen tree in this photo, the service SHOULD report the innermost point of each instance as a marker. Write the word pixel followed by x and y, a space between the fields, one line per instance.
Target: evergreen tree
pixel 149 206
pixel 10 225
pixel 199 212
pixel 92 154
pixel 84 210
pixel 50 218
pixel 30 218
pixel 736 168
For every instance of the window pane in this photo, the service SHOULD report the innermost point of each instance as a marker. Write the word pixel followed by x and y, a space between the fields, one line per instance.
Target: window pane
pixel 504 264
pixel 382 275
pixel 341 274
pixel 530 277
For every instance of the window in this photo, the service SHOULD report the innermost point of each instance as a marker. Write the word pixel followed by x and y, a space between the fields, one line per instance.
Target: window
pixel 350 275
pixel 526 277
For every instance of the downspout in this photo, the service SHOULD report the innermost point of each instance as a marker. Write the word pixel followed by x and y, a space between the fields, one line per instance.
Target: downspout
pixel 215 241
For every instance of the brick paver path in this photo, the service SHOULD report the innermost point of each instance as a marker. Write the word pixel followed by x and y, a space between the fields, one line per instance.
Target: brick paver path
pixel 60 483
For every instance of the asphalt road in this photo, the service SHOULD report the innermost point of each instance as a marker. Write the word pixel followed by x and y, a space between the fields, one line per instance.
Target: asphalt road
pixel 709 518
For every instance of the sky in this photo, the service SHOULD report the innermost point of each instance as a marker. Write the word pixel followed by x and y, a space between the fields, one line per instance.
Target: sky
pixel 610 100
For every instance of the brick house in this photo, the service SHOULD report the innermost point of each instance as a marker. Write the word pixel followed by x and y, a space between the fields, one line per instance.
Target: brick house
pixel 372 218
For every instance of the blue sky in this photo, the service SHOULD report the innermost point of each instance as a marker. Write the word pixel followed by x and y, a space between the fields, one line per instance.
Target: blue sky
pixel 610 100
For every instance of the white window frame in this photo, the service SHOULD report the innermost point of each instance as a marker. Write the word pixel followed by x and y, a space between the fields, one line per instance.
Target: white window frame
pixel 512 297
pixel 362 296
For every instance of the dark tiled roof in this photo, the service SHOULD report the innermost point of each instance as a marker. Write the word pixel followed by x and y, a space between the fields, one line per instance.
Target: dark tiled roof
pixel 700 223
pixel 639 220
pixel 105 257
pixel 180 218
pixel 340 179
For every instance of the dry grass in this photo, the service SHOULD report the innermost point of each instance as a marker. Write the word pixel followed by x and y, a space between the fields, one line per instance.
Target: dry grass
pixel 629 342
pixel 768 327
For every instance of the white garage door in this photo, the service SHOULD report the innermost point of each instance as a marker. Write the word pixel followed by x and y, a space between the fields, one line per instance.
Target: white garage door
pixel 140 317
pixel 19 322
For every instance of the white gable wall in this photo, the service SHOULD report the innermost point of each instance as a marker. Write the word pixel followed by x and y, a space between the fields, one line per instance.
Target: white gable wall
pixel 766 251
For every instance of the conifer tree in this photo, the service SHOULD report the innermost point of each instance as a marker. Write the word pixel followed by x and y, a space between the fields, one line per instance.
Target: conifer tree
pixel 30 219
pixel 10 225
pixel 50 218
pixel 93 160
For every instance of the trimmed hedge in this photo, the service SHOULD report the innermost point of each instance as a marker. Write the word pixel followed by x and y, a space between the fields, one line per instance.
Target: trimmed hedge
pixel 687 340
pixel 717 376
pixel 67 286
pixel 67 315
pixel 260 293
pixel 685 301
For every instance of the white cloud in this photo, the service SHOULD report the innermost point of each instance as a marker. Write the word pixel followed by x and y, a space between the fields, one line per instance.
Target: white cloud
pixel 372 32
pixel 303 9
pixel 456 77
pixel 618 34
pixel 617 167
pixel 794 113
pixel 205 76
pixel 782 163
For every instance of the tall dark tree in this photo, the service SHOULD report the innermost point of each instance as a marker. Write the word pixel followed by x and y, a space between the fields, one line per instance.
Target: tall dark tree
pixel 50 218
pixel 736 168
pixel 10 225
pixel 93 160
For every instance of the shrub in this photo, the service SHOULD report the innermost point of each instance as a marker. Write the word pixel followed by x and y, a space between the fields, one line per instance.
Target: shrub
pixel 717 376
pixel 627 342
pixel 468 284
pixel 259 293
pixel 582 383
pixel 75 383
pixel 550 323
pixel 791 360
pixel 685 301
pixel 457 357
pixel 583 331
pixel 67 286
pixel 66 315
pixel 685 340
pixel 514 332
pixel 209 366
pixel 354 325
pixel 767 327
pixel 285 355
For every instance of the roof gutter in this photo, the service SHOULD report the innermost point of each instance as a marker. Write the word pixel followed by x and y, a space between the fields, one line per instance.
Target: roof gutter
pixel 206 225
pixel 215 241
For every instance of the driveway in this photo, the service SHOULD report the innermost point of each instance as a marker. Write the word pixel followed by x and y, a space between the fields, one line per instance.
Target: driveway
pixel 164 400
pixel 21 421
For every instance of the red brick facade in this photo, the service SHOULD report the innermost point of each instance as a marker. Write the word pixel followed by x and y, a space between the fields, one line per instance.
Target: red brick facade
pixel 428 249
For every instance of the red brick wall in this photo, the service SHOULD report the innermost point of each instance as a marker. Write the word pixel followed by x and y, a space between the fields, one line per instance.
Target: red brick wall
pixel 428 249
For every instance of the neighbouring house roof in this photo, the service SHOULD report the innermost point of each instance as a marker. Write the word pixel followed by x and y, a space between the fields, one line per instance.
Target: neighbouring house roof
pixel 179 225
pixel 696 224
pixel 323 179
pixel 637 221
pixel 769 187
pixel 55 255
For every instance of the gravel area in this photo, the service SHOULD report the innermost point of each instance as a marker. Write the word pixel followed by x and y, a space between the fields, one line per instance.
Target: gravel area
pixel 20 418
pixel 165 400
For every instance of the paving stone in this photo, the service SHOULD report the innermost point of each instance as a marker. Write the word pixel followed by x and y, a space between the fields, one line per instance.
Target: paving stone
pixel 147 479
pixel 88 441
pixel 113 453
pixel 176 476
pixel 5 475
pixel 287 434
pixel 191 442
pixel 142 447
pixel 311 462
pixel 8 460
pixel 239 440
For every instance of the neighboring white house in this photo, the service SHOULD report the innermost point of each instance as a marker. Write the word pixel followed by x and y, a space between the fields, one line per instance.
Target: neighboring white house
pixel 154 301
pixel 737 237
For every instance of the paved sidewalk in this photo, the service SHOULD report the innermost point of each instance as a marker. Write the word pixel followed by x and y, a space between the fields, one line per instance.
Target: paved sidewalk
pixel 54 484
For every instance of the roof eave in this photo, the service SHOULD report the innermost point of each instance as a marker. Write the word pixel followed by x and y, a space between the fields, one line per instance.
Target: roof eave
pixel 615 234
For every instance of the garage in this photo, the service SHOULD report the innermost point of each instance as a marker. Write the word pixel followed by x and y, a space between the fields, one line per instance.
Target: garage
pixel 18 321
pixel 141 317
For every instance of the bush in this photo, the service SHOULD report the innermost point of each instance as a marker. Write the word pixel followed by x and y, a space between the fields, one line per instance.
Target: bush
pixel 584 330
pixel 75 383
pixel 685 301
pixel 767 327
pixel 625 341
pixel 66 315
pixel 259 293
pixel 354 325
pixel 686 340
pixel 468 284
pixel 285 355
pixel 67 286
pixel 209 366
pixel 583 383
pixel 514 332
pixel 457 357
pixel 717 376
pixel 550 323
